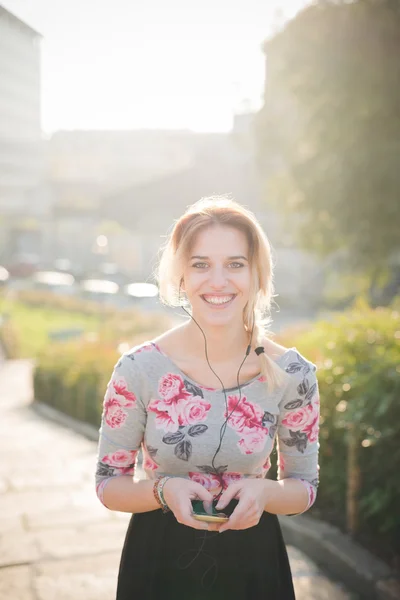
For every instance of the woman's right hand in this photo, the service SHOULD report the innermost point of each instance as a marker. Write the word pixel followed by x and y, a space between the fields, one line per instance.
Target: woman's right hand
pixel 178 493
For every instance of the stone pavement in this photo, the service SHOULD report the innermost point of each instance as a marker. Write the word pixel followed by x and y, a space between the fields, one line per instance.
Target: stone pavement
pixel 56 539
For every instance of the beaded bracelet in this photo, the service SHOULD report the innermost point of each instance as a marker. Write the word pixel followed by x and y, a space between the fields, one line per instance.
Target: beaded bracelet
pixel 155 492
pixel 160 488
pixel 158 492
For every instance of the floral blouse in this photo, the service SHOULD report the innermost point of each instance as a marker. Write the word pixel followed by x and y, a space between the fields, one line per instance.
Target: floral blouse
pixel 151 405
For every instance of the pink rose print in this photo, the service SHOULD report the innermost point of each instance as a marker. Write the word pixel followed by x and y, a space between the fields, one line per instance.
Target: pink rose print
pixel 100 489
pixel 262 378
pixel 312 429
pixel 305 419
pixel 114 415
pixel 167 417
pixel 229 478
pixel 148 453
pixel 172 388
pixel 281 462
pixel 193 411
pixel 311 492
pixel 247 416
pixel 145 348
pixel 267 464
pixel 185 412
pixel 149 464
pixel 253 442
pixel 312 496
pixel 208 481
pixel 120 458
pixel 213 482
pixel 127 398
pixel 296 421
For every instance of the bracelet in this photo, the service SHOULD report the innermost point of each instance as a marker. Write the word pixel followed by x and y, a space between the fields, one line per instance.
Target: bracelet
pixel 160 487
pixel 158 492
pixel 155 492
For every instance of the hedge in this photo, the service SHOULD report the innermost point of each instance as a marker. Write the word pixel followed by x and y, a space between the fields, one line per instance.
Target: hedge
pixel 358 357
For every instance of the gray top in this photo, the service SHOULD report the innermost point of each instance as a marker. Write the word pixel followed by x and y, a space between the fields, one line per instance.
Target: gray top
pixel 150 404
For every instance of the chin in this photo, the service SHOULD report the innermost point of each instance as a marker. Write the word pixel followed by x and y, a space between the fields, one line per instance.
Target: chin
pixel 219 320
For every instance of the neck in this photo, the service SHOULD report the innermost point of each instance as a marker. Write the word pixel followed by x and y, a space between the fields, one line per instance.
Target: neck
pixel 223 343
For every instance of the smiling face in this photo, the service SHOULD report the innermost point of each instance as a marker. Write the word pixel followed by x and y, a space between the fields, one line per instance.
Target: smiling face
pixel 217 275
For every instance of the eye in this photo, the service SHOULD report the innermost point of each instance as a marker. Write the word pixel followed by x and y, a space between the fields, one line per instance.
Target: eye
pixel 237 265
pixel 200 265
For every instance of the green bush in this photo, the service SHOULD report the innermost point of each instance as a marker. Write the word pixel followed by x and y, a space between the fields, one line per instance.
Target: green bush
pixel 358 359
pixel 73 378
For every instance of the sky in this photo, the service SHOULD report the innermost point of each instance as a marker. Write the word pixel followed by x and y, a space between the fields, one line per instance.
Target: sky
pixel 147 64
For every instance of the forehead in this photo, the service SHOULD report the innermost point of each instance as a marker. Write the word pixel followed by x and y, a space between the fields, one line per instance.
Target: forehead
pixel 220 240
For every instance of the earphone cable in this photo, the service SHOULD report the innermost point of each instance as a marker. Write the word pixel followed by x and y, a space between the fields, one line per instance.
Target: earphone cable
pixel 225 424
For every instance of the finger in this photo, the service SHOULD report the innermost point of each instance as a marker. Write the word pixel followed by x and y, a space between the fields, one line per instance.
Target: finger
pixel 201 525
pixel 202 493
pixel 237 519
pixel 227 496
pixel 208 506
pixel 214 526
pixel 186 518
pixel 186 514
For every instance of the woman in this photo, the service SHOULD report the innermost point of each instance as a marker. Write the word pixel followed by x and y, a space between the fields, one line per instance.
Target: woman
pixel 205 402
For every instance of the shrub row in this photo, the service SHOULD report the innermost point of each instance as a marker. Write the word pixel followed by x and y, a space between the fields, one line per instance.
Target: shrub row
pixel 73 377
pixel 358 359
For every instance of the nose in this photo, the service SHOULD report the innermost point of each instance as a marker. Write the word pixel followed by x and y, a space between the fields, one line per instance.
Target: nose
pixel 217 278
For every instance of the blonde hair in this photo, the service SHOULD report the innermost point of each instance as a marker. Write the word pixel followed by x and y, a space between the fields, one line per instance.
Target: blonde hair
pixel 223 211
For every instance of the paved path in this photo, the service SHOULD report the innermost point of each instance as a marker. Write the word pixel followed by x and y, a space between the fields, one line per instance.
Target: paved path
pixel 56 540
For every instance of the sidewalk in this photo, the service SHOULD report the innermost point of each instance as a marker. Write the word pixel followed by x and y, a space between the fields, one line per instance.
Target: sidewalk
pixel 56 540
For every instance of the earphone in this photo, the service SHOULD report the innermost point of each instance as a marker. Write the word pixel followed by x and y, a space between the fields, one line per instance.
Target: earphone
pixel 258 351
pixel 225 423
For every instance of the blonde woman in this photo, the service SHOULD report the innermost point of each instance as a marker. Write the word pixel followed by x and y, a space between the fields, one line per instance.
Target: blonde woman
pixel 205 402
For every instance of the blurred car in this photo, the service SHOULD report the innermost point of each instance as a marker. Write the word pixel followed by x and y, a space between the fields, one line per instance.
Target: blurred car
pixel 4 275
pixel 23 264
pixel 63 283
pixel 143 295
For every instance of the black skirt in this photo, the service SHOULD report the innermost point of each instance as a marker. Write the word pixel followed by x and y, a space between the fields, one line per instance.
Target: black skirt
pixel 165 560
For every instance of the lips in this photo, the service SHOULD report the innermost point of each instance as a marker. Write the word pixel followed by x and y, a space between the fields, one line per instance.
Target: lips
pixel 218 301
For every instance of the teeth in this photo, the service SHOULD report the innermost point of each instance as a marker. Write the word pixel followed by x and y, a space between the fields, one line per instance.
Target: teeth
pixel 217 299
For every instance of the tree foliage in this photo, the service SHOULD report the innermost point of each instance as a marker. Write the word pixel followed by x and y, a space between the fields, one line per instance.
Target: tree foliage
pixel 329 130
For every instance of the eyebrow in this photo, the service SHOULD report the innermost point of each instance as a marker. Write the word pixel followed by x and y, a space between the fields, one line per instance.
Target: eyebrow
pixel 229 257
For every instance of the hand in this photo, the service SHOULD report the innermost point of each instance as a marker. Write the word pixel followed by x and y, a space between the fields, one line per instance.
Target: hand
pixel 252 495
pixel 178 493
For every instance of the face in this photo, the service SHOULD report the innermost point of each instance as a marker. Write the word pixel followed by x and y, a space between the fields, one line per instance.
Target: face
pixel 217 275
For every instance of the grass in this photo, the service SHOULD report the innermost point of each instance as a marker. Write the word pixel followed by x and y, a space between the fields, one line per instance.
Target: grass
pixel 32 325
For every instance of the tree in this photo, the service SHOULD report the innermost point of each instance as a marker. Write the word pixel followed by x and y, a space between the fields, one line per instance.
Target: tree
pixel 329 130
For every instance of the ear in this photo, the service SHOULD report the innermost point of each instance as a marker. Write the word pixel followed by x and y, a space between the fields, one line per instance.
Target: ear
pixel 182 284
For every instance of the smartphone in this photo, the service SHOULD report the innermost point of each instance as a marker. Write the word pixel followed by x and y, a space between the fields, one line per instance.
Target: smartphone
pixel 219 518
pixel 201 515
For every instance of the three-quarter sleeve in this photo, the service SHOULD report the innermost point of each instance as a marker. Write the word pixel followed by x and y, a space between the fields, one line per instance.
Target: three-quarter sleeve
pixel 122 426
pixel 298 427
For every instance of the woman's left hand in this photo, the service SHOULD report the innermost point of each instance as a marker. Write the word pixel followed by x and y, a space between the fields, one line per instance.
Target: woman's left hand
pixel 253 495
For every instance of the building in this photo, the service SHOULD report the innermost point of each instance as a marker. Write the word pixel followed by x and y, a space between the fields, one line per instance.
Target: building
pixel 22 161
pixel 19 79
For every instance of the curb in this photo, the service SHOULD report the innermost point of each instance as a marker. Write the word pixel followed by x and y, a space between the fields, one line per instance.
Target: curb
pixel 332 550
pixel 342 557
pixel 88 431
